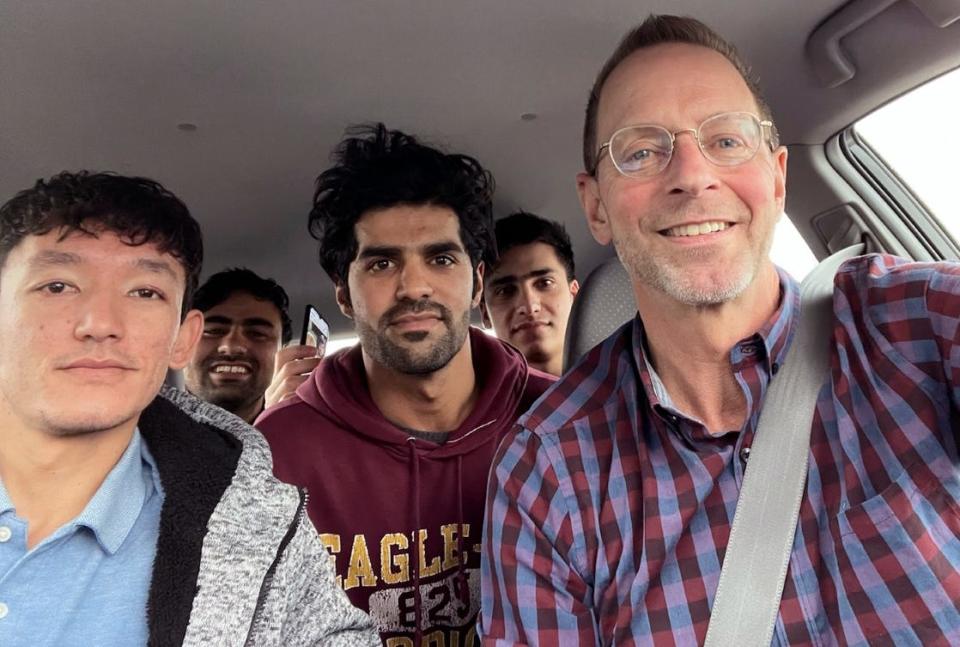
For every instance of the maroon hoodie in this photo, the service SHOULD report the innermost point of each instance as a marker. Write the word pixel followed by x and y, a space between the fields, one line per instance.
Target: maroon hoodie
pixel 399 512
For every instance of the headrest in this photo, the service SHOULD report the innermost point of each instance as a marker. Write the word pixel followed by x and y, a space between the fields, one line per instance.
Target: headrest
pixel 604 303
pixel 174 379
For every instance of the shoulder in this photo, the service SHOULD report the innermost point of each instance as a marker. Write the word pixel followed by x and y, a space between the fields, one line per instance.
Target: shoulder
pixel 536 385
pixel 884 287
pixel 291 411
pixel 599 380
pixel 885 271
pixel 181 430
pixel 210 432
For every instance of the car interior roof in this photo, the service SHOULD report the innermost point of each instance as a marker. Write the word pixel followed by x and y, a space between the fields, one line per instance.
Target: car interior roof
pixel 236 106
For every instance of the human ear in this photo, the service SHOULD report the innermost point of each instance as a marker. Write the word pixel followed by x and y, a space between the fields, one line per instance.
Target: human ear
pixel 188 335
pixel 589 192
pixel 342 293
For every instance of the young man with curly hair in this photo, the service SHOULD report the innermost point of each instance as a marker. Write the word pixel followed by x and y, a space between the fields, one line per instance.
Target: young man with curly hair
pixel 129 517
pixel 394 438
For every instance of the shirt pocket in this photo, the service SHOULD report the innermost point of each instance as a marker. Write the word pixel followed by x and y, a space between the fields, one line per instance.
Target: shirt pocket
pixel 897 557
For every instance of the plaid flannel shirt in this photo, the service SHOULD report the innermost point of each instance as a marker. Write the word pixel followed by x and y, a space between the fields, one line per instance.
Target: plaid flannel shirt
pixel 609 510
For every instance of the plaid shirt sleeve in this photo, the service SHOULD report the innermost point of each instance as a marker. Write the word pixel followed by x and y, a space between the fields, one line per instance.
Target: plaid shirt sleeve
pixel 943 309
pixel 532 593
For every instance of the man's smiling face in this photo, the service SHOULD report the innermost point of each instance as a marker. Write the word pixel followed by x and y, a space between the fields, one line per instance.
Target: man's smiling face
pixel 696 232
pixel 234 361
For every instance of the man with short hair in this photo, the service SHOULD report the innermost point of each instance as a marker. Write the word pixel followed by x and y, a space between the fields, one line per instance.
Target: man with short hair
pixel 245 322
pixel 128 517
pixel 530 289
pixel 611 503
pixel 393 438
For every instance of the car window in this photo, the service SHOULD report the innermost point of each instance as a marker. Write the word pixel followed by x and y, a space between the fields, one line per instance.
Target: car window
pixel 790 251
pixel 916 136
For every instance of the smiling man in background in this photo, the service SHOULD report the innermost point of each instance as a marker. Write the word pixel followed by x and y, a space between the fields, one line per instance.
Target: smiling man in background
pixel 245 322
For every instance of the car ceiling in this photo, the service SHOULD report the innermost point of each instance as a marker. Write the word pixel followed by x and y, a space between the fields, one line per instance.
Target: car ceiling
pixel 271 86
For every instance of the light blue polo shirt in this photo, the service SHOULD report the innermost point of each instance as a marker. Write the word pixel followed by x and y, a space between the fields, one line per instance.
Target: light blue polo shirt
pixel 87 583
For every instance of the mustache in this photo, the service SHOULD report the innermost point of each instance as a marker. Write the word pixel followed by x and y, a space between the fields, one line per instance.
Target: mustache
pixel 416 307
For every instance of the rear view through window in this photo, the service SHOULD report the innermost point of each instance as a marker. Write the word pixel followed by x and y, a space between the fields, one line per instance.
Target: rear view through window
pixel 911 135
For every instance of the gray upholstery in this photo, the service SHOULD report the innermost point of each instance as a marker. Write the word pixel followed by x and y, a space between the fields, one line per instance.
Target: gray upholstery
pixel 174 379
pixel 605 302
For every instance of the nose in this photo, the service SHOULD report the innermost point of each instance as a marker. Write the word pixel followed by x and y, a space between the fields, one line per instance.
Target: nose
pixel 689 171
pixel 232 343
pixel 414 282
pixel 100 319
pixel 529 302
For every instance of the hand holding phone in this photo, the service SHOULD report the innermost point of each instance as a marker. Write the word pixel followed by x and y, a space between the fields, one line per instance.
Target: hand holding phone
pixel 315 331
pixel 295 363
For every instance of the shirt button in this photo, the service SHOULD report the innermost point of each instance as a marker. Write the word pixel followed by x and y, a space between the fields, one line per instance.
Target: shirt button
pixel 5 534
pixel 744 454
pixel 4 610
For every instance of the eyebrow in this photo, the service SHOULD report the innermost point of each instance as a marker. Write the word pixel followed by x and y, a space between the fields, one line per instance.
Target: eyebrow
pixel 55 258
pixel 512 278
pixel 430 249
pixel 258 322
pixel 156 267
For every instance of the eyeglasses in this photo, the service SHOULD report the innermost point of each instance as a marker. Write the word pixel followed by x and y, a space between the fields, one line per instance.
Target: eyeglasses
pixel 727 139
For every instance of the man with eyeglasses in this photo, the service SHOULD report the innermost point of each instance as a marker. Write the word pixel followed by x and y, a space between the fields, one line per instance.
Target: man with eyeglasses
pixel 610 504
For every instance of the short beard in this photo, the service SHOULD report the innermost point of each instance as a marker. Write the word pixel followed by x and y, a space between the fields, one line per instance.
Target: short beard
pixel 673 281
pixel 405 360
pixel 232 397
pixel 232 402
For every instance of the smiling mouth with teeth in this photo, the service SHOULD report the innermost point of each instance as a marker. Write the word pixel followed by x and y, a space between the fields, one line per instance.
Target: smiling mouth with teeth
pixel 223 368
pixel 697 229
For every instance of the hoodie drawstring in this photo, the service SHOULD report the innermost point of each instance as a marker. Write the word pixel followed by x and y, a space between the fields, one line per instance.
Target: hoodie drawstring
pixel 417 602
pixel 463 589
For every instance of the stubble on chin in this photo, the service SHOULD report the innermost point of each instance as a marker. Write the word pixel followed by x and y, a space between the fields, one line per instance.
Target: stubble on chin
pixel 63 426
pixel 400 357
pixel 675 279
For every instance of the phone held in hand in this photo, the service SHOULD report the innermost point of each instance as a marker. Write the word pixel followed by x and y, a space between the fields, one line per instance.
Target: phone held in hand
pixel 315 331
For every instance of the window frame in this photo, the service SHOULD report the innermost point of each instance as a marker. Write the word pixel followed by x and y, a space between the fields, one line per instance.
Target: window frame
pixel 915 222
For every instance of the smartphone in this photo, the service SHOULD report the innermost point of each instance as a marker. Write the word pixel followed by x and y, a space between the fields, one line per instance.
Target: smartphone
pixel 315 330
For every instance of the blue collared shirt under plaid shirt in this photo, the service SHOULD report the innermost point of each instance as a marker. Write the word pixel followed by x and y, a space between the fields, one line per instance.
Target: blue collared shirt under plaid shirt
pixel 609 510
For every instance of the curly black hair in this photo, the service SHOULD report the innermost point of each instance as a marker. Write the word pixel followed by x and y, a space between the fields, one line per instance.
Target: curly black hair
pixel 377 168
pixel 523 228
pixel 218 288
pixel 137 209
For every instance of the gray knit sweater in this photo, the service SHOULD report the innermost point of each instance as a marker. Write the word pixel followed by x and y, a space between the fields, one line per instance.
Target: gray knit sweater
pixel 238 561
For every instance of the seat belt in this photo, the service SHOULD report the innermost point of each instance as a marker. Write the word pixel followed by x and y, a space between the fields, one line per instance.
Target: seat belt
pixel 761 537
